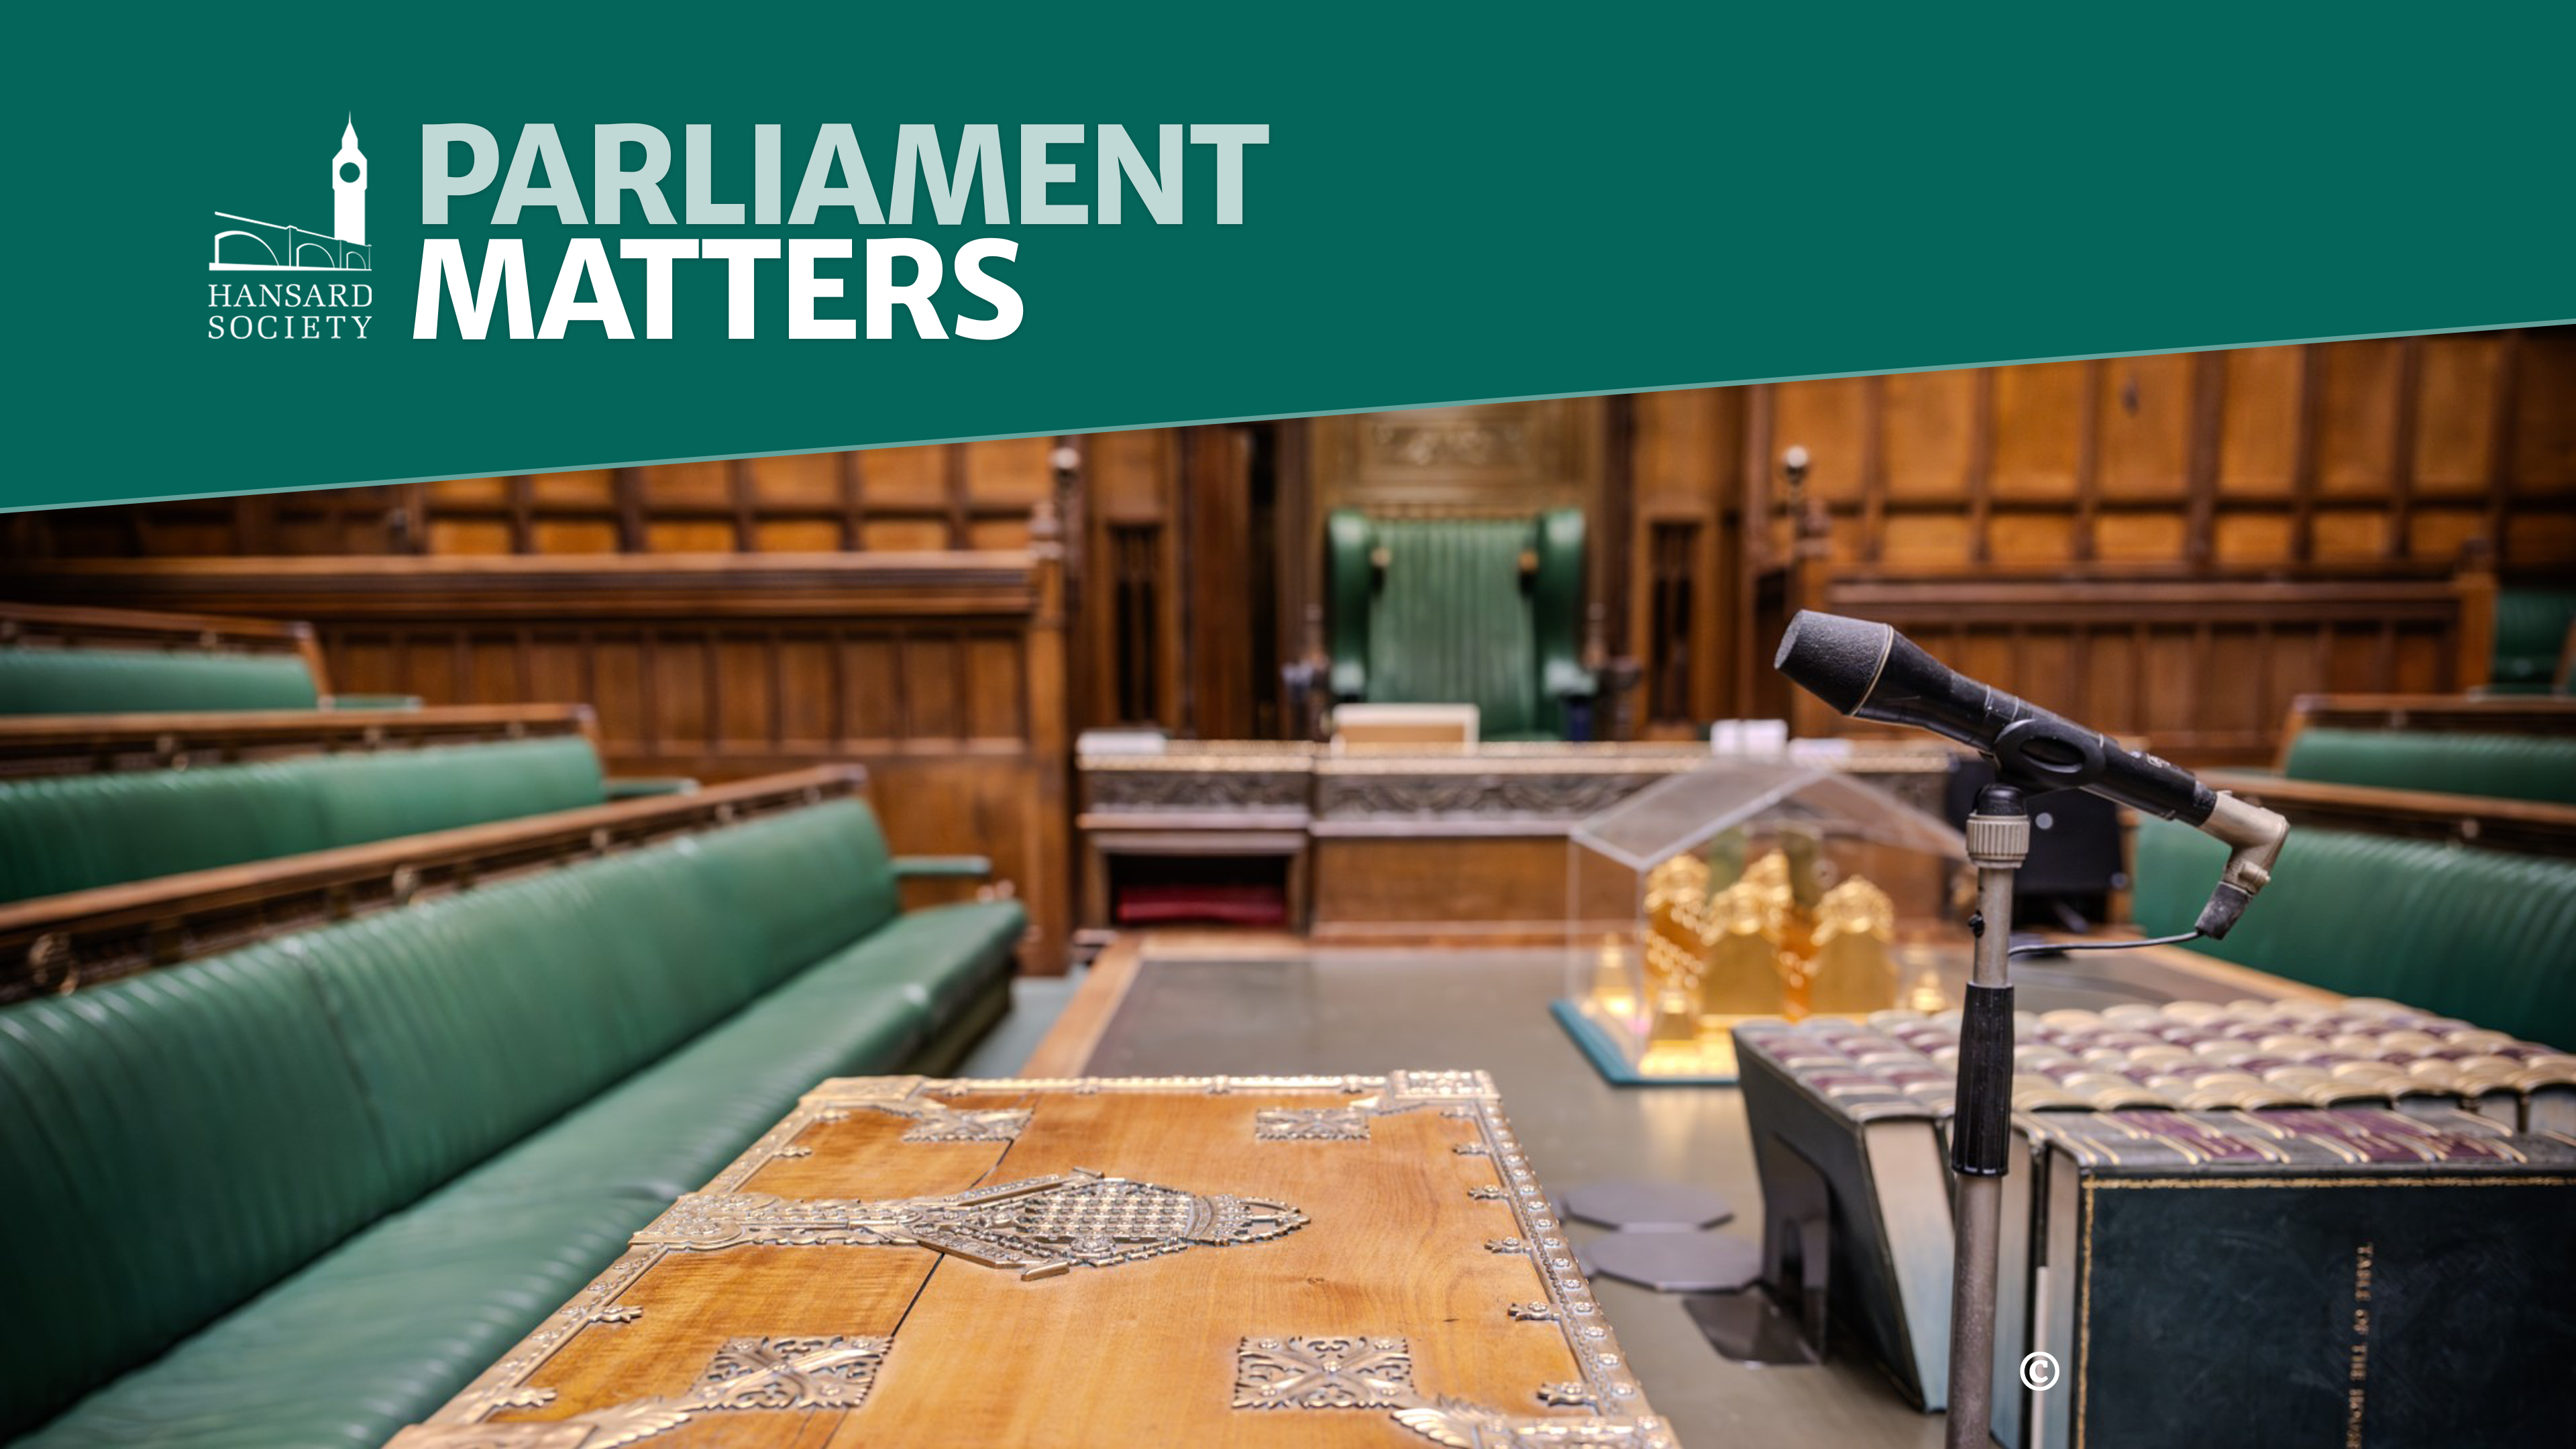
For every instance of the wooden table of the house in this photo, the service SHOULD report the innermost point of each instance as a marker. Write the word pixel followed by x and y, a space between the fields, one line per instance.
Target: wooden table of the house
pixel 1360 1259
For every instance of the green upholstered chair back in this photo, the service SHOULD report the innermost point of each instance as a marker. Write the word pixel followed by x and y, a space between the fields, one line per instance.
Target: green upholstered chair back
pixel 2530 630
pixel 73 832
pixel 1452 617
pixel 2503 766
pixel 178 1141
pixel 2488 936
pixel 36 680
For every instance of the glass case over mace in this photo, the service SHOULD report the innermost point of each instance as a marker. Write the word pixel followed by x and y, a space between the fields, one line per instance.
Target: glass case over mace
pixel 1751 888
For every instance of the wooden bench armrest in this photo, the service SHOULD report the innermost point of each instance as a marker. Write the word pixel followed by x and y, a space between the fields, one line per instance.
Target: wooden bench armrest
pixel 2527 825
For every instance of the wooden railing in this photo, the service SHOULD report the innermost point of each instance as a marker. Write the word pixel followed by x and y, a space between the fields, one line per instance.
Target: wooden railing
pixel 2525 825
pixel 59 943
pixel 66 744
pixel 2507 714
pixel 79 625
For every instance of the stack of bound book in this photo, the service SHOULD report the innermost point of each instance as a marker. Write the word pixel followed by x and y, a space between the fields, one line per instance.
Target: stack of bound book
pixel 2257 1223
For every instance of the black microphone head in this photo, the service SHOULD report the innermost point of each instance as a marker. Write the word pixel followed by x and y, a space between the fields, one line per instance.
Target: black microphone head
pixel 1836 659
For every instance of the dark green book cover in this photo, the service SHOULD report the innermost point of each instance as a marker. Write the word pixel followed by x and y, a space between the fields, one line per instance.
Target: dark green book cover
pixel 2292 1279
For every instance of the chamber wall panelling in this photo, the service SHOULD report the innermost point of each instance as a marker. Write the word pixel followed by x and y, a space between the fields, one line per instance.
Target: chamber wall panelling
pixel 942 672
pixel 2171 546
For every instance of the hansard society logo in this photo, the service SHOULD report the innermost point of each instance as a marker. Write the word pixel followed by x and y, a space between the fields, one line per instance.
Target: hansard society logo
pixel 287 282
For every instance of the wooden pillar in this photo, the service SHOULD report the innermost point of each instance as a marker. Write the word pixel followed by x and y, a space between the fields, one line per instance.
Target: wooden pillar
pixel 1050 727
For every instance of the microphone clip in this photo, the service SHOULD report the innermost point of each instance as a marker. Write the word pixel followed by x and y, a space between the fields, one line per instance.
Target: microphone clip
pixel 2041 753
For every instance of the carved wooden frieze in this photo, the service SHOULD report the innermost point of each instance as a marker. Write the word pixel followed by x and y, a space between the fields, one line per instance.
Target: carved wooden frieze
pixel 1163 783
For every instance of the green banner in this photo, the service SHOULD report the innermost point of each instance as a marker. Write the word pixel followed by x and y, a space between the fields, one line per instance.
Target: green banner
pixel 358 245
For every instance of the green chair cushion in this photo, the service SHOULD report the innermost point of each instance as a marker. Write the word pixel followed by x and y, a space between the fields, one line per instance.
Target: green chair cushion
pixel 126 681
pixel 74 832
pixel 2488 936
pixel 2512 767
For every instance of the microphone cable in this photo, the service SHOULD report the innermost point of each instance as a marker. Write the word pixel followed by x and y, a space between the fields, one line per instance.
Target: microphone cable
pixel 2051 948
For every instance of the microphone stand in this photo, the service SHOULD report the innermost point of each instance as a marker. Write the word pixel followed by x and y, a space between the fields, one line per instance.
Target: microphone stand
pixel 1998 840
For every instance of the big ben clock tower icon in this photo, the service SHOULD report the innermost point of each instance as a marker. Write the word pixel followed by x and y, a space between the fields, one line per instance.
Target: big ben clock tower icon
pixel 349 188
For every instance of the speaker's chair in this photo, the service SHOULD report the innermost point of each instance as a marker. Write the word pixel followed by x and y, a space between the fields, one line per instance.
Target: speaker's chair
pixel 1461 610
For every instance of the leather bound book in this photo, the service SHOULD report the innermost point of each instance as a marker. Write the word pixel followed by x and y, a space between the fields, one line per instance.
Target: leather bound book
pixel 2347 1277
pixel 1816 1113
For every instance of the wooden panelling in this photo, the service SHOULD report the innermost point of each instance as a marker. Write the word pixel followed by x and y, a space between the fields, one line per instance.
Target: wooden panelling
pixel 2204 670
pixel 959 496
pixel 2344 454
pixel 1682 457
pixel 1504 886
pixel 943 672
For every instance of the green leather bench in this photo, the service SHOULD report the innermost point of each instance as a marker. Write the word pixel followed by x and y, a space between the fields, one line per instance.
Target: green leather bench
pixel 2453 762
pixel 124 681
pixel 1444 611
pixel 73 832
pixel 298 1194
pixel 2488 936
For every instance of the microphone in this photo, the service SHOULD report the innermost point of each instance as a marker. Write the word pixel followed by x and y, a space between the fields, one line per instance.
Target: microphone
pixel 1870 671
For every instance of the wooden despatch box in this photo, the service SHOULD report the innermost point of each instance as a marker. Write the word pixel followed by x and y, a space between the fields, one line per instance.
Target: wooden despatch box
pixel 1202 1261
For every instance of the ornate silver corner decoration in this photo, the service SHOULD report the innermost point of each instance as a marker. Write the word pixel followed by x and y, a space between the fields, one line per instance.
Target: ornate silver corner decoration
pixel 1407 1088
pixel 938 1122
pixel 1311 1124
pixel 795 1149
pixel 615 1313
pixel 790 1373
pixel 864 1091
pixel 1540 1311
pixel 1507 1245
pixel 747 1373
pixel 1569 1394
pixel 1041 1226
pixel 908 1097
pixel 1469 1149
pixel 500 1400
pixel 1487 1194
pixel 1464 1425
pixel 1323 1373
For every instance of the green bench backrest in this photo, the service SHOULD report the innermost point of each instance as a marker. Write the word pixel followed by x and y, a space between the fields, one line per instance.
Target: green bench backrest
pixel 2512 767
pixel 72 832
pixel 2488 936
pixel 183 1139
pixel 125 681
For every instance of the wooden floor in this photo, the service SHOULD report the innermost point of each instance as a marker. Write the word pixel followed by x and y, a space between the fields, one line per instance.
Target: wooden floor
pixel 1243 1003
